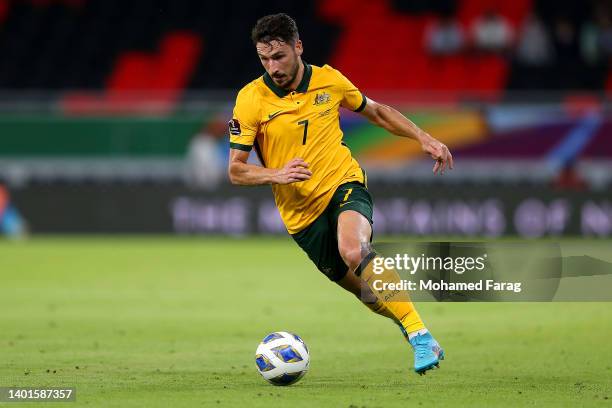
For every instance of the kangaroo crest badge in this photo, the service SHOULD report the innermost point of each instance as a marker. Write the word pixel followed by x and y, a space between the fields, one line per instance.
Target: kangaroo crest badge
pixel 322 99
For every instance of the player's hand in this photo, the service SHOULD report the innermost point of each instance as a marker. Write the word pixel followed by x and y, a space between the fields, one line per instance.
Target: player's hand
pixel 440 153
pixel 294 171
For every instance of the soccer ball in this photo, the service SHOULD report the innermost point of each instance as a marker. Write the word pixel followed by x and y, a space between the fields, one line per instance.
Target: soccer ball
pixel 282 358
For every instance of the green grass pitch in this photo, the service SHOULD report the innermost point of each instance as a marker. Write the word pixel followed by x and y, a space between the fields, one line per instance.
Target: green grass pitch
pixel 158 322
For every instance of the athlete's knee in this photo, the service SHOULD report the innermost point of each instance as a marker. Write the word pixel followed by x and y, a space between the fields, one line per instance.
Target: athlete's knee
pixel 352 254
pixel 352 259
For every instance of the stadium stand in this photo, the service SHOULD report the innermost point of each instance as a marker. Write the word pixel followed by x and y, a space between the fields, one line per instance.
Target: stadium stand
pixel 114 45
pixel 169 66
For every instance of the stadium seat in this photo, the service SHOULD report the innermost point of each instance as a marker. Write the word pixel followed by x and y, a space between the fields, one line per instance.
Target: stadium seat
pixel 117 45
pixel 396 42
pixel 4 10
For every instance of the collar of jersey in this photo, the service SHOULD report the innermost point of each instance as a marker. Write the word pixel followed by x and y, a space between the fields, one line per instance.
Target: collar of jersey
pixel 301 88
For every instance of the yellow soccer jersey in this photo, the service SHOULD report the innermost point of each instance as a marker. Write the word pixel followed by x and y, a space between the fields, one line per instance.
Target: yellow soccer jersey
pixel 305 123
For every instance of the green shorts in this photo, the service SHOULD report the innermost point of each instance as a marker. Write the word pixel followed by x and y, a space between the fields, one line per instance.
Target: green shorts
pixel 319 240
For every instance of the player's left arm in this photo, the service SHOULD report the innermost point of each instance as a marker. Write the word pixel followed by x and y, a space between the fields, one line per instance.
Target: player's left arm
pixel 394 122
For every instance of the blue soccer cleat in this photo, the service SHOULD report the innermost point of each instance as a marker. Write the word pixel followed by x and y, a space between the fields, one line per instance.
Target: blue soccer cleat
pixel 427 352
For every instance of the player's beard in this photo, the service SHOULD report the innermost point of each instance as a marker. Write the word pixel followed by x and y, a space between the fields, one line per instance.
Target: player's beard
pixel 291 77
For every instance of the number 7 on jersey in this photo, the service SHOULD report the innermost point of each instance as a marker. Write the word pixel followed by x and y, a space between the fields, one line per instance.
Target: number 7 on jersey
pixel 305 123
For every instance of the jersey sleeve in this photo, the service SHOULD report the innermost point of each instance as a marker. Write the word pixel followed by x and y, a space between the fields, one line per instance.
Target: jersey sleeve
pixel 352 98
pixel 244 125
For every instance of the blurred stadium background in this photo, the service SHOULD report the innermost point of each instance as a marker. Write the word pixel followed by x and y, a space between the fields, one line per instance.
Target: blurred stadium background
pixel 113 113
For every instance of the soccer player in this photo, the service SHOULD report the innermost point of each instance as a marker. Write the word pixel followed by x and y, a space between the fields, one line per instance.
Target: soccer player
pixel 290 116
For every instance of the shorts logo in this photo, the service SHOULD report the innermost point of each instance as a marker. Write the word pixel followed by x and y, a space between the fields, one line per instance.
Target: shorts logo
pixel 234 127
pixel 322 99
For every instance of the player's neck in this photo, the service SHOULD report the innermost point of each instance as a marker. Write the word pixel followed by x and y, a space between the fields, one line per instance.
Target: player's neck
pixel 298 78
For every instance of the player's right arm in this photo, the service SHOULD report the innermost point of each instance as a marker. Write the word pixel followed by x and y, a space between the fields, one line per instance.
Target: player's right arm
pixel 245 174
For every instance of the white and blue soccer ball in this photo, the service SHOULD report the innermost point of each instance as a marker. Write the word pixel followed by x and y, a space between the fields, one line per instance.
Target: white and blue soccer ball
pixel 282 358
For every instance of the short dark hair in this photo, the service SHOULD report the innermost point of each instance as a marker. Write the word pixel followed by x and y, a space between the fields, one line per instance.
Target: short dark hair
pixel 278 27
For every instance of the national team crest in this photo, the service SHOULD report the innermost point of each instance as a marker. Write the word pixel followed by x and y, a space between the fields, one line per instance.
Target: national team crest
pixel 322 99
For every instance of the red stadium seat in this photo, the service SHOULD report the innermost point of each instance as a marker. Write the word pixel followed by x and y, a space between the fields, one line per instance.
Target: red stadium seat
pixel 4 10
pixel 170 69
pixel 133 72
pixel 487 73
pixel 147 81
pixel 609 82
pixel 394 47
pixel 179 54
